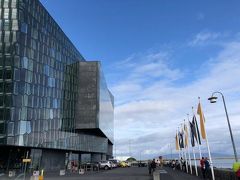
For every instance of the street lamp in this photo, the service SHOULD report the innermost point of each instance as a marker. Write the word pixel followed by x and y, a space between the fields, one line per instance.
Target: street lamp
pixel 213 99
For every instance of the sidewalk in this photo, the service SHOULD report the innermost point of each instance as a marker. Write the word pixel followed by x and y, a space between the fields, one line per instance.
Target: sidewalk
pixel 168 173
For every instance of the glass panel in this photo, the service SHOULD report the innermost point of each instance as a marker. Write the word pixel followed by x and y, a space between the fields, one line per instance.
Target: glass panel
pixel 8 74
pixel 1 100
pixel 10 129
pixel 24 28
pixel 25 62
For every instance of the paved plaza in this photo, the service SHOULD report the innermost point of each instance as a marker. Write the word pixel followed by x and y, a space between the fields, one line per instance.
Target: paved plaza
pixel 133 173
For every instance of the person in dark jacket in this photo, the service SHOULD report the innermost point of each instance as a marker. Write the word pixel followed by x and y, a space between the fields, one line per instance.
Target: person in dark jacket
pixel 153 165
pixel 207 168
pixel 202 164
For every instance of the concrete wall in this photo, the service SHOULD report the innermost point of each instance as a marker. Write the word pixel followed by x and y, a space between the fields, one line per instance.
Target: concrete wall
pixel 220 174
pixel 53 160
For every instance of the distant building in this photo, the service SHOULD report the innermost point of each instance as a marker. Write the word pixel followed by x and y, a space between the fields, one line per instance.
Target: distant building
pixel 54 105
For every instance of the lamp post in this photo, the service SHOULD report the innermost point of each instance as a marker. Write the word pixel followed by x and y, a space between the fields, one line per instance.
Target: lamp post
pixel 213 99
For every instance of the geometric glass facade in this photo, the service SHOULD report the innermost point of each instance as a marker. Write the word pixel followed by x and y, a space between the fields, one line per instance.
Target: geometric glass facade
pixel 39 86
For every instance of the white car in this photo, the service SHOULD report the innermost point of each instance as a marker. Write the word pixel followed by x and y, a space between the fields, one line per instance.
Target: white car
pixel 115 163
pixel 105 165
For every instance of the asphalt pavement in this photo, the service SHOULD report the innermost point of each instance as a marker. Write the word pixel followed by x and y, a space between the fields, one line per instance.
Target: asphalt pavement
pixel 169 174
pixel 132 173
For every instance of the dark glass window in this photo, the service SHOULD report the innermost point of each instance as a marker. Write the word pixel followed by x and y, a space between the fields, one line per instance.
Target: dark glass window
pixel 24 28
pixel 8 61
pixel 16 74
pixel 1 113
pixel 2 128
pixel 1 100
pixel 8 87
pixel 1 46
pixel 1 61
pixel 1 24
pixel 16 61
pixel 7 101
pixel 1 73
pixel 1 87
pixel 8 74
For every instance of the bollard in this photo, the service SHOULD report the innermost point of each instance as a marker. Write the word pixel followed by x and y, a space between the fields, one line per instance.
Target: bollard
pixel 41 177
pixel 81 171
pixel 156 175
pixel 11 173
pixel 62 172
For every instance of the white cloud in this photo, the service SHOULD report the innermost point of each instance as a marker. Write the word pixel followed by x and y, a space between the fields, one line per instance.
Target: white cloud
pixel 150 109
pixel 204 37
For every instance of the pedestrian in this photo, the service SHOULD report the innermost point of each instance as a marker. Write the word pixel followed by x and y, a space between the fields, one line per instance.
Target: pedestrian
pixel 173 164
pixel 207 168
pixel 238 174
pixel 178 164
pixel 153 165
pixel 181 164
pixel 149 167
pixel 236 169
pixel 202 164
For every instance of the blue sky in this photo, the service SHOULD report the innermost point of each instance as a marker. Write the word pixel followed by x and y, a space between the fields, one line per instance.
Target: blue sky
pixel 158 57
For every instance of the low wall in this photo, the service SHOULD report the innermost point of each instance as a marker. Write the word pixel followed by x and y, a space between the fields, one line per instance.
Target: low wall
pixel 220 174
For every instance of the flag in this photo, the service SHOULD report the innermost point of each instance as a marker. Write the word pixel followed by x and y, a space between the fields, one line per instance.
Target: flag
pixel 192 133
pixel 186 135
pixel 202 121
pixel 181 142
pixel 177 142
pixel 196 130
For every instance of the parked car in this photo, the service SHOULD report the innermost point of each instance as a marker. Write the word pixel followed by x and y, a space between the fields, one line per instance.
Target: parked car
pixel 115 163
pixel 123 164
pixel 105 165
pixel 128 163
pixel 142 164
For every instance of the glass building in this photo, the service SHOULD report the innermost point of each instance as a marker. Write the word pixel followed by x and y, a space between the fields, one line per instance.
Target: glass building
pixel 55 106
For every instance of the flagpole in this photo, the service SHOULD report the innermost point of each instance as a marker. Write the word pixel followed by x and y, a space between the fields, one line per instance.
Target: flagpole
pixel 189 156
pixel 179 158
pixel 186 161
pixel 209 153
pixel 199 147
pixel 185 155
pixel 195 162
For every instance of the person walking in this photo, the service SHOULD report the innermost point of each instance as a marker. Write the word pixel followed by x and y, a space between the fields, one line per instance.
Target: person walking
pixel 173 164
pixel 202 165
pixel 183 164
pixel 207 168
pixel 153 165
